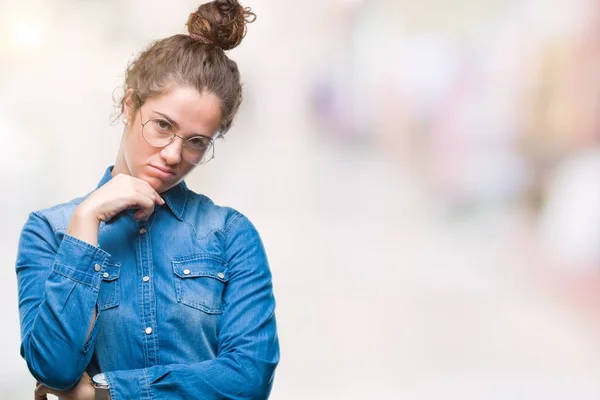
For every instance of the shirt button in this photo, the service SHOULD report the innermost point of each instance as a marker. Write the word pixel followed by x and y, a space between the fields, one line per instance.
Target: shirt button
pixel 142 231
pixel 106 275
pixel 221 275
pixel 146 278
pixel 97 267
pixel 148 330
pixel 186 271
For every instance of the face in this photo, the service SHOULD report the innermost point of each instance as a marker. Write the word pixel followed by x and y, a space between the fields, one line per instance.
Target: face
pixel 192 113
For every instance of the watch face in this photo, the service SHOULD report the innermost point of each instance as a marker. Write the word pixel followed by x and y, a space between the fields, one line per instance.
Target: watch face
pixel 100 381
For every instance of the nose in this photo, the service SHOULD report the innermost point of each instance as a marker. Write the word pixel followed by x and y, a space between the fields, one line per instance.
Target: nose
pixel 172 152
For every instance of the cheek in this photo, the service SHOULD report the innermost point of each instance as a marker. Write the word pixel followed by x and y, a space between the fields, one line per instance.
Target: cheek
pixel 184 170
pixel 188 168
pixel 136 148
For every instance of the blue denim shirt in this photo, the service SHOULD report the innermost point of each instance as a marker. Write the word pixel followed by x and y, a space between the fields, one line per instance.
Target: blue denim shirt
pixel 185 302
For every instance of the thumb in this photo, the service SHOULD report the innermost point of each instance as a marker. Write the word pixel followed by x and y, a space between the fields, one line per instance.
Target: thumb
pixel 40 392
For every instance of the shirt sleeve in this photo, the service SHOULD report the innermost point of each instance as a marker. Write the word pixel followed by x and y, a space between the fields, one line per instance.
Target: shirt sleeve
pixel 58 285
pixel 248 346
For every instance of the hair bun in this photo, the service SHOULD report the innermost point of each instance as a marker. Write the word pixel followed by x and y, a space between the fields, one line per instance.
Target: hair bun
pixel 220 23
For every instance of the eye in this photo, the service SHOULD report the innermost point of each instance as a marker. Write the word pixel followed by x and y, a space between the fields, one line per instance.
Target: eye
pixel 162 125
pixel 198 142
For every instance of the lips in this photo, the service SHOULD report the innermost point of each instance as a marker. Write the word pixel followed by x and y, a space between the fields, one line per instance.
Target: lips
pixel 163 170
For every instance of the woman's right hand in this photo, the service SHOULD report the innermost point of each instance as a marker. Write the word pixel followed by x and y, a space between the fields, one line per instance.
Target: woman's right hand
pixel 121 193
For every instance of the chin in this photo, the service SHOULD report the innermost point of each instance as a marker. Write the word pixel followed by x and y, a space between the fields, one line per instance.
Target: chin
pixel 157 184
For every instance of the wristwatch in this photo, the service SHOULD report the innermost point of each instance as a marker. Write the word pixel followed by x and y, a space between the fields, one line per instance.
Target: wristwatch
pixel 101 385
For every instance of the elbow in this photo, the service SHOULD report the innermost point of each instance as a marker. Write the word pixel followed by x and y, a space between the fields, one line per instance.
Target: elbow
pixel 261 373
pixel 260 380
pixel 53 377
pixel 56 373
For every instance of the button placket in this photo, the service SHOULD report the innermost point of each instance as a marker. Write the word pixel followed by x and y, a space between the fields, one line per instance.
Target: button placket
pixel 145 262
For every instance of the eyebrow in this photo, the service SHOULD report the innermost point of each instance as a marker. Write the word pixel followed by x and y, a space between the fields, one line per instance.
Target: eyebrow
pixel 165 116
pixel 174 123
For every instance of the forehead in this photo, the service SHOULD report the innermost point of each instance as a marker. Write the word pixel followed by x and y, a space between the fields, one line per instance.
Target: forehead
pixel 194 112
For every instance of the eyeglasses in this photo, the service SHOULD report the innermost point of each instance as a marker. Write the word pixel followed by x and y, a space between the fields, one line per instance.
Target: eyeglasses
pixel 158 132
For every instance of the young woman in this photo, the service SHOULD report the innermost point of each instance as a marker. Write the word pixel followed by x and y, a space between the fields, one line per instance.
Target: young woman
pixel 144 289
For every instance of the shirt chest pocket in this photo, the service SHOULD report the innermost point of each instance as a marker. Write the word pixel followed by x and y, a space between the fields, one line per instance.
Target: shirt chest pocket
pixel 109 287
pixel 200 282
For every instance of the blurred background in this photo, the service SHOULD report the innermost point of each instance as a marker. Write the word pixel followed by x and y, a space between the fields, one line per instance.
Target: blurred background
pixel 425 177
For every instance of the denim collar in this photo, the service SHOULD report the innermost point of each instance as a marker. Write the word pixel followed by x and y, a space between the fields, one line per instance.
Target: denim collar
pixel 175 198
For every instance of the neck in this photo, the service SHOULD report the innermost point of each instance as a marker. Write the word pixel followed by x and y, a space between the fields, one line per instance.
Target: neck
pixel 120 164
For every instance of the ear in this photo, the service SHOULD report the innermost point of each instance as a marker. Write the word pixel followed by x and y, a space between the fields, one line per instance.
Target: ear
pixel 129 104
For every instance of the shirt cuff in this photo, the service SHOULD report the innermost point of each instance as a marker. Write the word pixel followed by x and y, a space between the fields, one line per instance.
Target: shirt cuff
pixel 129 384
pixel 80 261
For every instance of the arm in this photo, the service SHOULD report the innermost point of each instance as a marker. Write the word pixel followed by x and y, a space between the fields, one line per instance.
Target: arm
pixel 59 283
pixel 248 347
pixel 58 288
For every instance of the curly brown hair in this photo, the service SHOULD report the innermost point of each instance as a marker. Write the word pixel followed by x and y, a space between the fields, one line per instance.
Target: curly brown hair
pixel 196 60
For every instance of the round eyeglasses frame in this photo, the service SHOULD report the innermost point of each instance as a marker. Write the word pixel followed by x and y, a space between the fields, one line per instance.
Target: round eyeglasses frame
pixel 204 158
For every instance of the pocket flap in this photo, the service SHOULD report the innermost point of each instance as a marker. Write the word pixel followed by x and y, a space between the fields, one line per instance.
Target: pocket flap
pixel 200 266
pixel 111 272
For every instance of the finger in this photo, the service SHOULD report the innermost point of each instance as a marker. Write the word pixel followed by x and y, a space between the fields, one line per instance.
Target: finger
pixel 153 194
pixel 41 392
pixel 140 216
pixel 40 397
pixel 145 187
pixel 156 198
pixel 147 205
